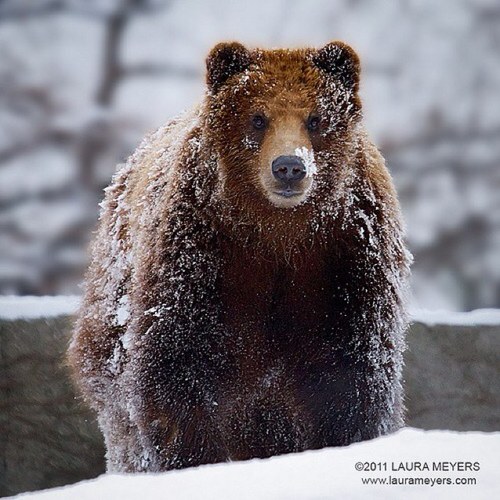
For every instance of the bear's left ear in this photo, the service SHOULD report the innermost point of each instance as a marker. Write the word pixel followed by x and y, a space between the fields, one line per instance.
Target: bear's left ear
pixel 340 61
pixel 224 61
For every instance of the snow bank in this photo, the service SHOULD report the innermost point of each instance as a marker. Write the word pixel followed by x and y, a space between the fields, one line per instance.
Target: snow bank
pixel 480 317
pixel 29 307
pixel 328 473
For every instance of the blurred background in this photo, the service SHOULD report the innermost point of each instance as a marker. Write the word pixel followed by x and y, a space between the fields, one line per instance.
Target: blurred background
pixel 81 82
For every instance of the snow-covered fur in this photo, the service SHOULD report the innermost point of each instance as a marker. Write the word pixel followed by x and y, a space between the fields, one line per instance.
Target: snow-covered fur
pixel 217 326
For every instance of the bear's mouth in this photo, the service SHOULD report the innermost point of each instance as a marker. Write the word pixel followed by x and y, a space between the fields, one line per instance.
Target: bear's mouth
pixel 288 193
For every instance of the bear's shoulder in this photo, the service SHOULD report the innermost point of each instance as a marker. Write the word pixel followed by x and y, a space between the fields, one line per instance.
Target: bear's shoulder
pixel 151 168
pixel 161 150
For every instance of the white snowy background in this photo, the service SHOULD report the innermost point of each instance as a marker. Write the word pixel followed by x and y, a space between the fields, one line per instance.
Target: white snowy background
pixel 81 81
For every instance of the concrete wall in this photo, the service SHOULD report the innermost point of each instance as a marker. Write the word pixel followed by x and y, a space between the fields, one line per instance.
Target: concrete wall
pixel 48 438
pixel 452 377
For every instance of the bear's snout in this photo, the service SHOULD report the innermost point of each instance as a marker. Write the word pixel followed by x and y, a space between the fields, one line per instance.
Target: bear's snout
pixel 288 169
pixel 289 187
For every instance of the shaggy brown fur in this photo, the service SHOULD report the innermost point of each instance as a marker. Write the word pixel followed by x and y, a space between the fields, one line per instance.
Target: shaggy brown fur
pixel 221 322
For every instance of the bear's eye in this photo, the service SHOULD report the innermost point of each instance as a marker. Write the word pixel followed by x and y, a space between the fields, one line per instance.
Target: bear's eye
pixel 258 122
pixel 313 123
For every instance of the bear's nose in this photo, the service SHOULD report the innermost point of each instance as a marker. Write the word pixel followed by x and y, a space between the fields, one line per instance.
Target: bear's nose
pixel 288 168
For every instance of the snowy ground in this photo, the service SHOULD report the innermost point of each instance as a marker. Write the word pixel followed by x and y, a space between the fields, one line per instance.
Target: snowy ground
pixel 328 473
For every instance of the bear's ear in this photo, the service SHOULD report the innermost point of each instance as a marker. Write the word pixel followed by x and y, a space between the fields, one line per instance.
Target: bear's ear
pixel 224 61
pixel 340 61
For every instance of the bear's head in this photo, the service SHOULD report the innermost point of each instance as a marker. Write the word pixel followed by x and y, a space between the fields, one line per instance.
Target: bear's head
pixel 280 120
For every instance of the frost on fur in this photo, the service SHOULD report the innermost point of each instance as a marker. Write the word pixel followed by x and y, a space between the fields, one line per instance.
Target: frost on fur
pixel 307 156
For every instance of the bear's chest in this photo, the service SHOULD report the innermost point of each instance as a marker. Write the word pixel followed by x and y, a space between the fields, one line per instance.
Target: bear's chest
pixel 276 301
pixel 279 319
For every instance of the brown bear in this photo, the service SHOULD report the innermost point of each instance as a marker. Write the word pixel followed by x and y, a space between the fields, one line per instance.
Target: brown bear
pixel 246 295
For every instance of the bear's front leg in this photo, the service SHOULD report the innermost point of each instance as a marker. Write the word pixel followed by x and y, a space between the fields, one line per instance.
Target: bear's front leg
pixel 171 380
pixel 367 339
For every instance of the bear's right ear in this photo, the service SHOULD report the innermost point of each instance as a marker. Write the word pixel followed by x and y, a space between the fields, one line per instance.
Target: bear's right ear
pixel 224 61
pixel 340 61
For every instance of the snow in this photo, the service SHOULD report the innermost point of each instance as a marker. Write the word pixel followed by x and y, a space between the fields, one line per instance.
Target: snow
pixel 307 156
pixel 28 307
pixel 122 313
pixel 485 317
pixel 14 307
pixel 328 473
